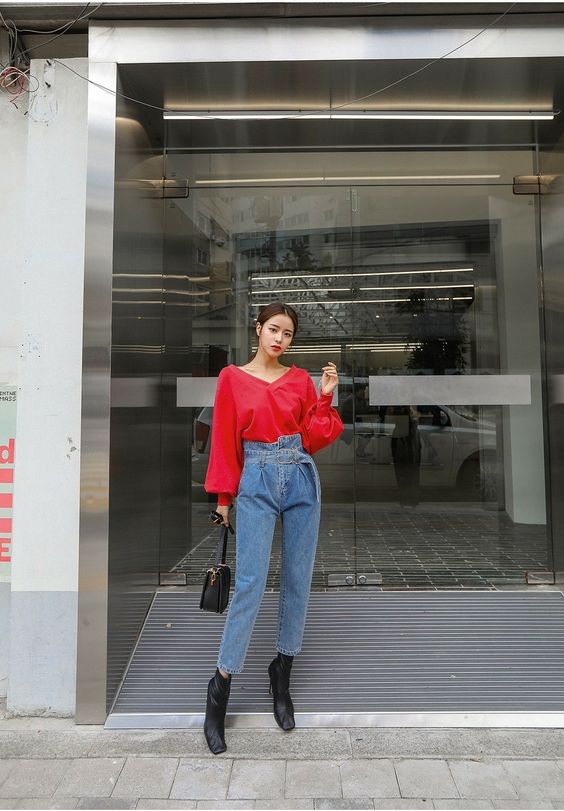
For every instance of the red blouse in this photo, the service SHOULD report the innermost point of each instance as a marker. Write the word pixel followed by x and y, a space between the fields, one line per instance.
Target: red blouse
pixel 247 407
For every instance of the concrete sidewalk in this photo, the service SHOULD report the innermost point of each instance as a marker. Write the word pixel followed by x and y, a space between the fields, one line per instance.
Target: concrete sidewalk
pixel 53 763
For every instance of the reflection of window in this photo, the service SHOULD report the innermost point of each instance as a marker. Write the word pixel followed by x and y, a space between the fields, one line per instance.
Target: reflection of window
pixel 202 257
pixel 203 224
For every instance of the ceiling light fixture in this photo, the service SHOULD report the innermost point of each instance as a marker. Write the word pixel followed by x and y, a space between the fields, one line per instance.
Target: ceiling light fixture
pixel 230 181
pixel 431 115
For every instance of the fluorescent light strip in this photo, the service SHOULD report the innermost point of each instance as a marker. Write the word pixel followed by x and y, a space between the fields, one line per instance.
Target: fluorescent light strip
pixel 369 273
pixel 227 181
pixel 361 301
pixel 344 289
pixel 368 115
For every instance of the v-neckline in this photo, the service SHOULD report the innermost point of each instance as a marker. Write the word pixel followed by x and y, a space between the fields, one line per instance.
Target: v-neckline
pixel 262 380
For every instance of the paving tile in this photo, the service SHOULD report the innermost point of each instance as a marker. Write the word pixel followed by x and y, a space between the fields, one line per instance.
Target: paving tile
pixel 483 780
pixel 145 802
pixel 516 804
pixel 41 743
pixel 402 802
pixel 146 777
pixel 536 779
pixel 325 744
pixel 246 804
pixel 107 802
pixel 242 743
pixel 313 778
pixel 35 778
pixel 344 802
pixel 6 767
pixel 257 779
pixel 46 802
pixel 91 777
pixel 154 742
pixel 463 803
pixel 456 743
pixel 7 804
pixel 425 778
pixel 201 779
pixel 368 778
pixel 280 804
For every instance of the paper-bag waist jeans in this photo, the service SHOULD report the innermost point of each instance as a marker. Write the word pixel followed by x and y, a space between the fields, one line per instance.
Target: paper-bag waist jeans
pixel 278 478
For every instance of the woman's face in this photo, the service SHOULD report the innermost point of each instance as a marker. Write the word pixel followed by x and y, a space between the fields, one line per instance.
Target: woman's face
pixel 278 331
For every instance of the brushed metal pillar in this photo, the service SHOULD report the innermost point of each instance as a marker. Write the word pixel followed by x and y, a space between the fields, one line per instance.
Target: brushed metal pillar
pixel 95 443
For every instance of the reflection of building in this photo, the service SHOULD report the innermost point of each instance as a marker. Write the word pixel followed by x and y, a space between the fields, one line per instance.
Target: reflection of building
pixel 407 249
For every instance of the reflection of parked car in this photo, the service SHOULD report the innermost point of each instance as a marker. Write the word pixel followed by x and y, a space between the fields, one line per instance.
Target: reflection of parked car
pixel 458 445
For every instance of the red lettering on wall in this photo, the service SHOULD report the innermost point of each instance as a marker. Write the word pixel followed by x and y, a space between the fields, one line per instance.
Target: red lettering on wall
pixel 7 475
pixel 6 501
pixel 6 525
pixel 7 453
pixel 5 551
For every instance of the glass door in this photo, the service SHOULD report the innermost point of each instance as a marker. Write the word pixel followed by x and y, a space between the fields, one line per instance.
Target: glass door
pixel 230 251
pixel 448 408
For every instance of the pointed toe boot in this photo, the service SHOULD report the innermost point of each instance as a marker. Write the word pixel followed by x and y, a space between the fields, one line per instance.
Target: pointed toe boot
pixel 216 707
pixel 279 672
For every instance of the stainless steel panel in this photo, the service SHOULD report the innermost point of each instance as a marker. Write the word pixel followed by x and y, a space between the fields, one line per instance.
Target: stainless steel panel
pixel 332 39
pixel 493 84
pixel 95 450
pixel 419 658
pixel 423 720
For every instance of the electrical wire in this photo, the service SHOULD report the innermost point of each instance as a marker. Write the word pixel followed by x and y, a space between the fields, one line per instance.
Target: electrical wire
pixel 64 25
pixel 67 27
pixel 13 79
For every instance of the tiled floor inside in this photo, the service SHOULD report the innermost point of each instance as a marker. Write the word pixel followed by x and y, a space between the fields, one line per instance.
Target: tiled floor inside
pixel 455 545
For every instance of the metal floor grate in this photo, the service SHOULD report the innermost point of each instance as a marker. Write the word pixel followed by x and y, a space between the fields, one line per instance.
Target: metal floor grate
pixel 370 653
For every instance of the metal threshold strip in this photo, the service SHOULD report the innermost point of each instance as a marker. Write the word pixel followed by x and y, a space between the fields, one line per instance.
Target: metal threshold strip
pixel 369 658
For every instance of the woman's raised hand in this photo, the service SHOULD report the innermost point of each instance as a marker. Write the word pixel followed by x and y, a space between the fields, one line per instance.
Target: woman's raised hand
pixel 330 378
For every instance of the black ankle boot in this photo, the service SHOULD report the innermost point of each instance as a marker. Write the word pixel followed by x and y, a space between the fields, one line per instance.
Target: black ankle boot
pixel 216 707
pixel 279 672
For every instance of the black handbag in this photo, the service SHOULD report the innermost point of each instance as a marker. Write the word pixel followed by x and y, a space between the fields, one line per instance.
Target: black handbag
pixel 217 580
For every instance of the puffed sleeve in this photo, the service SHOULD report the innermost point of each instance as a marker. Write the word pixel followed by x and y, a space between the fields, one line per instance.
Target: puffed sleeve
pixel 321 423
pixel 226 454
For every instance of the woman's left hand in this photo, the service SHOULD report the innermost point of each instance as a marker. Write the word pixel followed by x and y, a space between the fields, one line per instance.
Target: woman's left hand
pixel 330 378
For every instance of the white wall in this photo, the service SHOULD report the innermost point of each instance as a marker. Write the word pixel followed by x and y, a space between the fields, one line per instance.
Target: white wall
pixel 13 144
pixel 42 344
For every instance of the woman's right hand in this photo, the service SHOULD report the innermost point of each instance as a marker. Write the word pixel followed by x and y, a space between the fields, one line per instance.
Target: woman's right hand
pixel 223 510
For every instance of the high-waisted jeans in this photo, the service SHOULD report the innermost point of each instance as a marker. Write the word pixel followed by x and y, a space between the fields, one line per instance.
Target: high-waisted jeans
pixel 278 478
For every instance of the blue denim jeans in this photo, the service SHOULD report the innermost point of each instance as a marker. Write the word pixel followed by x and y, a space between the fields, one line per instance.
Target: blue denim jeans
pixel 278 478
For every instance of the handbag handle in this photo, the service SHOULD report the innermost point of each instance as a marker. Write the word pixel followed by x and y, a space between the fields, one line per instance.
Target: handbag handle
pixel 222 545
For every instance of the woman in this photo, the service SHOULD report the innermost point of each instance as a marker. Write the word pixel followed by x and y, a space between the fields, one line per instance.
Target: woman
pixel 267 421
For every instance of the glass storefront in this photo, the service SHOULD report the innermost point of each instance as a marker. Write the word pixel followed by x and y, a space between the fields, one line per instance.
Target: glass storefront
pixel 418 274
